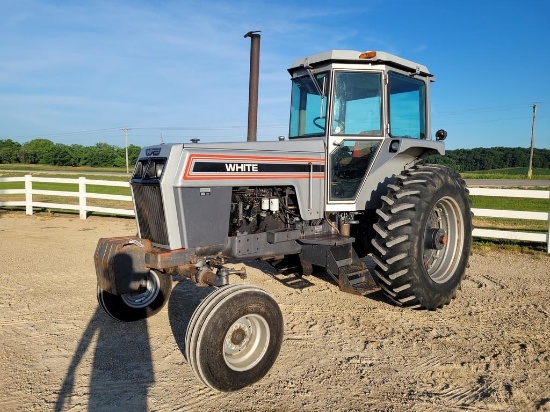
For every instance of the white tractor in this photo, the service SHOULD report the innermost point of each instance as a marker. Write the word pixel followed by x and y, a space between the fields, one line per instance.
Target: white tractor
pixel 349 181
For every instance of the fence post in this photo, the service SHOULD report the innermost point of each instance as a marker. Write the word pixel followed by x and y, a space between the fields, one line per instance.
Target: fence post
pixel 28 195
pixel 82 197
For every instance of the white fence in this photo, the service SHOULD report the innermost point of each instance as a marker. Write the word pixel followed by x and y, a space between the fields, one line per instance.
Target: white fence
pixel 83 208
pixel 512 214
pixel 83 194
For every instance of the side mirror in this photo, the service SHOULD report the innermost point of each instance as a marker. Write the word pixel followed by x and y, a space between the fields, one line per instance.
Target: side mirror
pixel 440 135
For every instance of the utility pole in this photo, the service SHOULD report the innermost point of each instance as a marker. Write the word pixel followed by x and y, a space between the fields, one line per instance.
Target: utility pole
pixel 125 130
pixel 530 172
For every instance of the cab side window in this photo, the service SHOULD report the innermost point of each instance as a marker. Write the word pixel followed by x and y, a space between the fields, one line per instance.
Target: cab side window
pixel 407 101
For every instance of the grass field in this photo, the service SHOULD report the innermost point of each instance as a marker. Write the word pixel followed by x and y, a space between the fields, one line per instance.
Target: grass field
pixel 510 203
pixel 516 173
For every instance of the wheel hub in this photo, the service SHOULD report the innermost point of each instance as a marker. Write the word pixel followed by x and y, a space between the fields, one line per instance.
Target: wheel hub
pixel 436 239
pixel 237 336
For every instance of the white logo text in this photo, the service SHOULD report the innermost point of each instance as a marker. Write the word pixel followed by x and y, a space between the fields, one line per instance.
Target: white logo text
pixel 242 167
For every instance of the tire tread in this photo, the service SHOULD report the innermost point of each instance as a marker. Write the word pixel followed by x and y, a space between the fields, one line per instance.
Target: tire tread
pixel 398 271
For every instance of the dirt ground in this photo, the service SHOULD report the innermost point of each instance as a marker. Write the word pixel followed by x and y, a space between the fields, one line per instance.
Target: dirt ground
pixel 489 350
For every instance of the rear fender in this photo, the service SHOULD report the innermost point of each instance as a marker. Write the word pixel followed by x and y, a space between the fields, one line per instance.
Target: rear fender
pixel 390 162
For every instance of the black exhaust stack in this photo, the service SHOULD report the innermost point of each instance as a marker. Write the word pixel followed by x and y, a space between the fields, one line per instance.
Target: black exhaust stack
pixel 253 85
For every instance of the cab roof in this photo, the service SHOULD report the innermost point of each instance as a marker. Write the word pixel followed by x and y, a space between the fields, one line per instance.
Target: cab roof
pixel 353 57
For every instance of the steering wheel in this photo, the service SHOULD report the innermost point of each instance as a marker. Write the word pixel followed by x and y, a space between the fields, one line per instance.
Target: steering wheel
pixel 322 127
pixel 339 124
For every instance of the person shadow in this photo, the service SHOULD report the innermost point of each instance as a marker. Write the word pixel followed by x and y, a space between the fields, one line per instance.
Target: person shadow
pixel 122 369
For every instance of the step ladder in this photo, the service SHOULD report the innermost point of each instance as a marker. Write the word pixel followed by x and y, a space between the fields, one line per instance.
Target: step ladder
pixel 335 253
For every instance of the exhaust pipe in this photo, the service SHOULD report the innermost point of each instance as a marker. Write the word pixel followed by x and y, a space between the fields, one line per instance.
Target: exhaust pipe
pixel 253 85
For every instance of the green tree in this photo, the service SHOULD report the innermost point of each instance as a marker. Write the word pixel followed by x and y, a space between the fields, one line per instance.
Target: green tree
pixel 9 151
pixel 37 151
pixel 62 156
pixel 133 154
pixel 79 154
pixel 100 155
pixel 466 160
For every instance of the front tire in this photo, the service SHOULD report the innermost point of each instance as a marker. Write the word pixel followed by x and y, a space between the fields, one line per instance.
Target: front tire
pixel 130 307
pixel 423 237
pixel 234 337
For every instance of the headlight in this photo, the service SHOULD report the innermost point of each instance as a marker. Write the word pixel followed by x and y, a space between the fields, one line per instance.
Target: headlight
pixel 159 167
pixel 154 169
pixel 138 170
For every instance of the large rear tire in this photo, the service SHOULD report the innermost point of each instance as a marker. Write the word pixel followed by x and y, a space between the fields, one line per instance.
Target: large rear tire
pixel 234 337
pixel 423 237
pixel 130 307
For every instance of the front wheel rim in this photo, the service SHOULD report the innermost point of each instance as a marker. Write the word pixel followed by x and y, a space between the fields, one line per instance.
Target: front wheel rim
pixel 143 299
pixel 246 342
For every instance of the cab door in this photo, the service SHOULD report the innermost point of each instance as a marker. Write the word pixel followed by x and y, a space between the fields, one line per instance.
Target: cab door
pixel 355 134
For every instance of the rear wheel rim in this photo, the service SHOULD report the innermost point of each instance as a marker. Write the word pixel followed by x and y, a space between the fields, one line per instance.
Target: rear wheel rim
pixel 443 240
pixel 246 342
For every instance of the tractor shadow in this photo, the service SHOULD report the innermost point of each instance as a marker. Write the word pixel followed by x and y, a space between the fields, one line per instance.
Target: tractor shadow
pixel 287 277
pixel 183 301
pixel 121 371
pixel 293 280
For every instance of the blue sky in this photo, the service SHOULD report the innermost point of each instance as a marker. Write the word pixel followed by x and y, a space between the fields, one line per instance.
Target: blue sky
pixel 76 72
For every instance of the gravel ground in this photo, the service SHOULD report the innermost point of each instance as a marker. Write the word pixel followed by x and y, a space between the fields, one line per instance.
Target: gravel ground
pixel 488 350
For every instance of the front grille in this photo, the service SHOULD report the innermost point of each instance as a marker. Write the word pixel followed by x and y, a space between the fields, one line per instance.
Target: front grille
pixel 150 212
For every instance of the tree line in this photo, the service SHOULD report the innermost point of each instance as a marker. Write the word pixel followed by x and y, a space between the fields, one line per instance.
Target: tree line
pixel 44 151
pixel 481 158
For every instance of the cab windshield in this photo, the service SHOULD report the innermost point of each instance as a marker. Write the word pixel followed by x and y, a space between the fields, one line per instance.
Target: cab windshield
pixel 308 110
pixel 357 108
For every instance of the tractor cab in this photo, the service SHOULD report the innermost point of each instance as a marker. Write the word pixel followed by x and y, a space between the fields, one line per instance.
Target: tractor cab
pixel 365 106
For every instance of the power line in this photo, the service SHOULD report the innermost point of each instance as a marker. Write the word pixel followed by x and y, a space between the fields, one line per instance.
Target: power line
pixel 487 120
pixel 164 128
pixel 475 110
pixel 199 128
pixel 39 135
